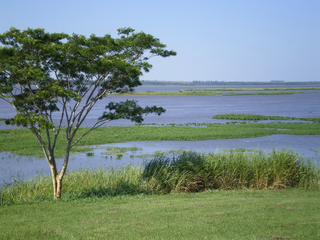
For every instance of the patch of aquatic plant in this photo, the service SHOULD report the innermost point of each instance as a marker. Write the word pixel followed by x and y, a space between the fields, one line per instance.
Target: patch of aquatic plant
pixel 242 150
pixel 160 153
pixel 234 116
pixel 90 154
pixel 169 152
pixel 259 93
pixel 250 89
pixel 144 155
pixel 119 150
pixel 148 124
pixel 192 172
pixel 189 124
pixel 235 122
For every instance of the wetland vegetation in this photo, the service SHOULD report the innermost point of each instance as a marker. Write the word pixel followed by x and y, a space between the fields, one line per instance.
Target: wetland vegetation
pixel 114 203
pixel 233 116
pixel 144 200
pixel 184 172
pixel 22 142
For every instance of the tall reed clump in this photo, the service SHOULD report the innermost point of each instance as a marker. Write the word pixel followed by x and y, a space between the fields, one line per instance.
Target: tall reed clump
pixel 187 172
pixel 192 172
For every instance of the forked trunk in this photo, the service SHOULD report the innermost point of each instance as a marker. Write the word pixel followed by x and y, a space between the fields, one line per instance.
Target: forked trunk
pixel 57 188
pixel 56 177
pixel 57 183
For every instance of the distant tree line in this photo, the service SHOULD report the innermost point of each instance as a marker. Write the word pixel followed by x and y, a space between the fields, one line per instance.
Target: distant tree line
pixel 219 83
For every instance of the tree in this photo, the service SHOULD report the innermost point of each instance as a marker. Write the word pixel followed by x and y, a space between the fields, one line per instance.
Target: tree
pixel 42 73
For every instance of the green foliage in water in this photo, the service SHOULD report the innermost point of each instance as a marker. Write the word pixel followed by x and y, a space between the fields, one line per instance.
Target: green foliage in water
pixel 22 142
pixel 234 116
pixel 119 150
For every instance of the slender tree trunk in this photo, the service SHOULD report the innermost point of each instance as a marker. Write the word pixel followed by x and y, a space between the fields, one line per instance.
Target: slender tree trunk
pixel 58 187
pixel 56 177
pixel 56 182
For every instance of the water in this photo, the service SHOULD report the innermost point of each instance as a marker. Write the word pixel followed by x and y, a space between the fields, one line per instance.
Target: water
pixel 180 110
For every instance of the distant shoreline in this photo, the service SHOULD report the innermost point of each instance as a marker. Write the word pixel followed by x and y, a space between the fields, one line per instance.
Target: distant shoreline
pixel 219 83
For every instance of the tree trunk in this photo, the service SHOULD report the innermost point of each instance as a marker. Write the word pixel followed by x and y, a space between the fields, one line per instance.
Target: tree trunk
pixel 56 177
pixel 56 181
pixel 57 188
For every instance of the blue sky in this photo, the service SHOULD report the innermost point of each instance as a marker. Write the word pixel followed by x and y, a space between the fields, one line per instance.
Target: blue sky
pixel 223 40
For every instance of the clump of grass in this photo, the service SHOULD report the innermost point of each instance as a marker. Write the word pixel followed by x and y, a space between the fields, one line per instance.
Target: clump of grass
pixel 191 172
pixel 186 172
pixel 76 184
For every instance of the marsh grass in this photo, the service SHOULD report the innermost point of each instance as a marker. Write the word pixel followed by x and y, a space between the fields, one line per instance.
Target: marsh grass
pixel 258 93
pixel 185 172
pixel 191 172
pixel 22 142
pixel 107 182
pixel 250 117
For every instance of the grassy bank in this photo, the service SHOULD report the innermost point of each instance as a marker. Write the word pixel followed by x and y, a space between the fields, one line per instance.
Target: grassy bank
pixel 187 172
pixel 22 142
pixel 184 197
pixel 189 196
pixel 245 214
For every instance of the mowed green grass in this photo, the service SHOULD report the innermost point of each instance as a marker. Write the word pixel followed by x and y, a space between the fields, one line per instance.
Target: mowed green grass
pixel 238 214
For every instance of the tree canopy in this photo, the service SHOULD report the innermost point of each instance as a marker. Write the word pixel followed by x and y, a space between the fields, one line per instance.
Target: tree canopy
pixel 42 73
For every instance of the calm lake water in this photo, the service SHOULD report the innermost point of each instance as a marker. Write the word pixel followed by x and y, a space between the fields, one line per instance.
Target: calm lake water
pixel 181 109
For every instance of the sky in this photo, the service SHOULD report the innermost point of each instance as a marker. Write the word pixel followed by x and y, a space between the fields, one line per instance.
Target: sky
pixel 215 40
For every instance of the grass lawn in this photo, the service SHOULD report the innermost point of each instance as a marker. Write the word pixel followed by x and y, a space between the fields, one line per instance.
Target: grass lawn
pixel 239 214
